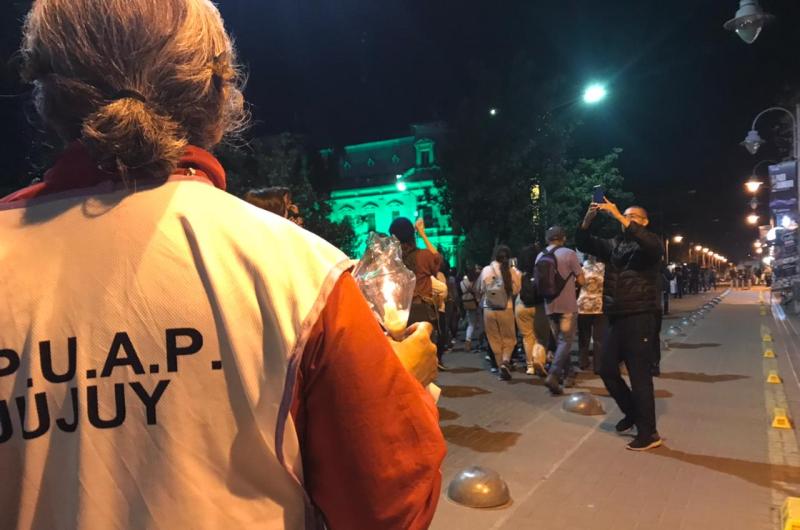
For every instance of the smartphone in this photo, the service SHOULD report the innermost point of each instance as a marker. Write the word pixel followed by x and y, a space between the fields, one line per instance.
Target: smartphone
pixel 598 194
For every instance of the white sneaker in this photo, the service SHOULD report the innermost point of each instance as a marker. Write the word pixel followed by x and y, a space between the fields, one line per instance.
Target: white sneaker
pixel 530 371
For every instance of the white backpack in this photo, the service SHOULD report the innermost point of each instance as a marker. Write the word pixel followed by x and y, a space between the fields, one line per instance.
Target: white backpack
pixel 496 295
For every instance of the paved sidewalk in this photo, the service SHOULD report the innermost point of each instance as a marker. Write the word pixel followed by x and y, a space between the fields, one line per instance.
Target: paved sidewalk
pixel 722 465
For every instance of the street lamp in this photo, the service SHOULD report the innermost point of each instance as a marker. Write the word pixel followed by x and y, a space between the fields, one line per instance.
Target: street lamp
pixel 675 239
pixel 752 219
pixel 493 112
pixel 697 249
pixel 749 21
pixel 594 93
pixel 753 140
pixel 753 185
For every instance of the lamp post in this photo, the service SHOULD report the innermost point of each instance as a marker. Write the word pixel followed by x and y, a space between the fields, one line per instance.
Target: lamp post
pixel 748 21
pixel 753 140
pixel 697 250
pixel 753 185
pixel 675 239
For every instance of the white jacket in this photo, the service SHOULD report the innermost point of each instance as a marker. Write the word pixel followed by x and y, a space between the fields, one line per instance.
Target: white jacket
pixel 127 307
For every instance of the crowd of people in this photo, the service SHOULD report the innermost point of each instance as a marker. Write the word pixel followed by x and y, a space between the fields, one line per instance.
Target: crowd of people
pixel 690 279
pixel 536 301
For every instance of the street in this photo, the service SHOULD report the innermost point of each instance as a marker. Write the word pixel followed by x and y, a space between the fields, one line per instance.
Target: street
pixel 722 464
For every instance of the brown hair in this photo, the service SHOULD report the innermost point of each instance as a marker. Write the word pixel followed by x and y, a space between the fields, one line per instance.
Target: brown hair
pixel 502 255
pixel 270 199
pixel 135 80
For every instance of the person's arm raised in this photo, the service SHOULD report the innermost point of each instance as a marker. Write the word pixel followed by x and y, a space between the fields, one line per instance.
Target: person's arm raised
pixel 420 225
pixel 589 244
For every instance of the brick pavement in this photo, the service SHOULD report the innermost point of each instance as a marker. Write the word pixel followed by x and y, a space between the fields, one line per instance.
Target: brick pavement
pixel 722 465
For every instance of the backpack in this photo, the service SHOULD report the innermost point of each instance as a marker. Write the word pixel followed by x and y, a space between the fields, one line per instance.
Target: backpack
pixel 549 282
pixel 468 296
pixel 529 294
pixel 496 295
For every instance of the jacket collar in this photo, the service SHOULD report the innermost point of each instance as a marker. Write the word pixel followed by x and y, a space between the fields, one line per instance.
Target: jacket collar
pixel 75 169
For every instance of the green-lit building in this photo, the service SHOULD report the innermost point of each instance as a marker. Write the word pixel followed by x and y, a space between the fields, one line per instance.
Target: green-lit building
pixel 378 181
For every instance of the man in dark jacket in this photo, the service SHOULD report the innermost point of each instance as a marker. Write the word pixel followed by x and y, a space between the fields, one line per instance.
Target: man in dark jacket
pixel 631 300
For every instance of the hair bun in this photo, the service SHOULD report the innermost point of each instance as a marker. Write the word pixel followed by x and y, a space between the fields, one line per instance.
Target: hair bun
pixel 126 135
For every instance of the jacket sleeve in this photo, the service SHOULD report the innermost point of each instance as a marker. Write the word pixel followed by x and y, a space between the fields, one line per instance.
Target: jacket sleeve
pixel 369 432
pixel 596 246
pixel 516 280
pixel 649 242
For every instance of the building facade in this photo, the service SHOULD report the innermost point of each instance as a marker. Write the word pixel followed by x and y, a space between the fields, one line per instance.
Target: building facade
pixel 379 181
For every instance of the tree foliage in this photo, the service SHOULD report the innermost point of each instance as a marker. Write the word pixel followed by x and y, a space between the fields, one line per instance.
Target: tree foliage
pixel 494 160
pixel 569 191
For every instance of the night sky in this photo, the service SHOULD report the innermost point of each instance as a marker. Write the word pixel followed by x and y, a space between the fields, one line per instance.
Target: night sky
pixel 683 90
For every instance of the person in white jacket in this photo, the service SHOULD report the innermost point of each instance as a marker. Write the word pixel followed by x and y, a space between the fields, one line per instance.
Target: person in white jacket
pixel 498 284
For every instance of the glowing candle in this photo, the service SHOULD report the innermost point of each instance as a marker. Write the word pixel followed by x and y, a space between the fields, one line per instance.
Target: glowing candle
pixel 394 319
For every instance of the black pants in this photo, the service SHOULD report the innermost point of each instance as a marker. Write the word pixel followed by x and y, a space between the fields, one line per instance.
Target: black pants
pixel 444 336
pixel 657 343
pixel 453 318
pixel 424 311
pixel 629 340
pixel 591 327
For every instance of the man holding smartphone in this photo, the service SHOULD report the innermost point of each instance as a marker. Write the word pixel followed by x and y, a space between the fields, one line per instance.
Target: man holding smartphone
pixel 631 301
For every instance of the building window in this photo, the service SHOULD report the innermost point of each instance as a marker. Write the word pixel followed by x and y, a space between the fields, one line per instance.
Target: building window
pixel 395 214
pixel 425 155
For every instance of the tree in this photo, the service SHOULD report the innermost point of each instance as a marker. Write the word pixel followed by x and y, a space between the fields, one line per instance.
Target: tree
pixel 569 192
pixel 492 161
pixel 287 160
pixel 496 162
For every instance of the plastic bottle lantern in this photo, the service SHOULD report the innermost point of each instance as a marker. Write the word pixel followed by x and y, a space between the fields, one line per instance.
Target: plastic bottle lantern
pixel 386 283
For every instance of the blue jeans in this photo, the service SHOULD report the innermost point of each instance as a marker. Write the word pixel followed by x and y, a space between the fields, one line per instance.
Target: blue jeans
pixel 563 327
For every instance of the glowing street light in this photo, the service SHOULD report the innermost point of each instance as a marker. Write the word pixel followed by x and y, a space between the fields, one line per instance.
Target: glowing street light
pixel 698 248
pixel 401 186
pixel 752 219
pixel 757 244
pixel 594 93
pixel 749 21
pixel 493 112
pixel 675 239
pixel 753 185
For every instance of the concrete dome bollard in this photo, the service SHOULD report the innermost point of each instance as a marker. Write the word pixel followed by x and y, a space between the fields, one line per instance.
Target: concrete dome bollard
pixel 479 487
pixel 583 403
